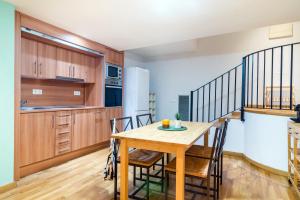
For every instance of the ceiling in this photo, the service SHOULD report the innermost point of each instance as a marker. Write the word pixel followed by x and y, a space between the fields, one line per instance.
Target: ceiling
pixel 130 24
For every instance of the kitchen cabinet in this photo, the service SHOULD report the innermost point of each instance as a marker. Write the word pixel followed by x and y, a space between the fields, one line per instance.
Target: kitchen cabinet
pixel 91 127
pixel 28 58
pixel 46 135
pixel 38 60
pixel 89 67
pixel 114 57
pixel 46 61
pixel 63 137
pixel 43 61
pixel 37 137
pixel 77 65
pixel 83 129
pixel 102 126
pixel 64 64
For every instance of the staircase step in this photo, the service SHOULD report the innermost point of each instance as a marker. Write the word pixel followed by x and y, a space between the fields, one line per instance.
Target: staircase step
pixel 233 115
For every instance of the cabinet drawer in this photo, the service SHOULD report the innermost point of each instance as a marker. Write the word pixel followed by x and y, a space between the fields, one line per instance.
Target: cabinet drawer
pixel 62 136
pixel 63 120
pixel 63 147
pixel 63 113
pixel 63 129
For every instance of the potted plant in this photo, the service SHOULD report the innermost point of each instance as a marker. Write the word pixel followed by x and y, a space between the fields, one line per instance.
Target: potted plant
pixel 177 123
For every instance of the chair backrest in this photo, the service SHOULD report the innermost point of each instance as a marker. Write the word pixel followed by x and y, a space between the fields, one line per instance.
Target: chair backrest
pixel 220 144
pixel 121 124
pixel 224 133
pixel 215 147
pixel 143 120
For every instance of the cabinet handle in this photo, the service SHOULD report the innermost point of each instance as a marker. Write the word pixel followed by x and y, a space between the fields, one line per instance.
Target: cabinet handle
pixel 40 69
pixel 69 71
pixel 35 67
pixel 73 71
pixel 53 121
pixel 73 119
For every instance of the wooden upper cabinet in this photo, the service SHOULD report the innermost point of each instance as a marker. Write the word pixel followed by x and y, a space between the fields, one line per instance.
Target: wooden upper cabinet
pixel 114 57
pixel 77 70
pixel 71 64
pixel 43 61
pixel 46 61
pixel 89 66
pixel 29 58
pixel 38 60
pixel 64 63
pixel 37 137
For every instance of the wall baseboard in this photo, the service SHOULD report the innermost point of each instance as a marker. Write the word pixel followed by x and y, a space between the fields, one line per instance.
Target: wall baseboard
pixel 259 165
pixel 8 187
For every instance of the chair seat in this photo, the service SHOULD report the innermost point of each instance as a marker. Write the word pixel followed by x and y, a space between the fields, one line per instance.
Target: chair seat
pixel 144 158
pixel 196 167
pixel 199 151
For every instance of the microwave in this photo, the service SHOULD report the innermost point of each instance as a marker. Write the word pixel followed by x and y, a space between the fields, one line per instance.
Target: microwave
pixel 113 71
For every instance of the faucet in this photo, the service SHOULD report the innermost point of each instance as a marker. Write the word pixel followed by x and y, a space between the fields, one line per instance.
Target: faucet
pixel 23 102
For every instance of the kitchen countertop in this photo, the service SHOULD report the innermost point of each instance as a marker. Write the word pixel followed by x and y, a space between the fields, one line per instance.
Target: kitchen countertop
pixel 63 109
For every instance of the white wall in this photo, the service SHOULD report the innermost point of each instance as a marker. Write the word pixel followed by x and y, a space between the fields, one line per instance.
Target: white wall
pixel 132 60
pixel 171 78
pixel 266 140
pixel 177 74
pixel 262 138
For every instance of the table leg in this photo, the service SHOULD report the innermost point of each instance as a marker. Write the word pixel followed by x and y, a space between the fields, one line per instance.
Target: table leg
pixel 206 135
pixel 124 170
pixel 180 173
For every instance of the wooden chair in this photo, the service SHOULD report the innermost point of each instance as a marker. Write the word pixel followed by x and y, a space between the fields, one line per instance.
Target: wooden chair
pixel 205 152
pixel 199 168
pixel 137 158
pixel 143 120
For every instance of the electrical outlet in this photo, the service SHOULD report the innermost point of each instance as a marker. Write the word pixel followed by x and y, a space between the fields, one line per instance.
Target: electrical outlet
pixel 37 91
pixel 76 93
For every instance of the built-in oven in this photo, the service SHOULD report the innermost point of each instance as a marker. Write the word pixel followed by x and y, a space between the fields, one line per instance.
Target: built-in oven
pixel 113 87
pixel 113 71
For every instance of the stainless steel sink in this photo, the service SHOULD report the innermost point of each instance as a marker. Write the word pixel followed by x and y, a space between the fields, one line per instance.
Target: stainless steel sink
pixel 49 107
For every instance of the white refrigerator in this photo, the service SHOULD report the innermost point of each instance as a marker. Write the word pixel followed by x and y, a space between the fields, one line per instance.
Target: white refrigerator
pixel 136 92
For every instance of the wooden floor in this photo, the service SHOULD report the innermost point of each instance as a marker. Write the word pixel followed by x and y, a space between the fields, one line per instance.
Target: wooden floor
pixel 83 179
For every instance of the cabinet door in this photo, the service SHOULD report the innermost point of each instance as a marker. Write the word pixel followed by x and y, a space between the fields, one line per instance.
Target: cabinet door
pixel 102 128
pixel 89 66
pixel 46 61
pixel 91 127
pixel 29 58
pixel 114 57
pixel 79 139
pixel 37 137
pixel 77 70
pixel 111 113
pixel 63 63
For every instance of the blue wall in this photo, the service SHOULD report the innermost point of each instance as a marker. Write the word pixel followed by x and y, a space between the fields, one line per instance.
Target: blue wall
pixel 7 31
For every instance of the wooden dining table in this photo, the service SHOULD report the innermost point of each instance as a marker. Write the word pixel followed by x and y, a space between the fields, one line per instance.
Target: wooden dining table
pixel 150 138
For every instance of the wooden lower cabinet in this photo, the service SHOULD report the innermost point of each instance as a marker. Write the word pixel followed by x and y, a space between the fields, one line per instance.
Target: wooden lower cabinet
pixel 102 128
pixel 37 137
pixel 63 132
pixel 45 135
pixel 83 128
